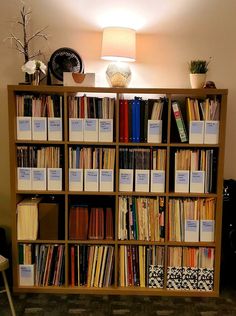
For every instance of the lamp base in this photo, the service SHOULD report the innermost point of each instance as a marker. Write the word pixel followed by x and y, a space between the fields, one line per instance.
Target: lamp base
pixel 118 74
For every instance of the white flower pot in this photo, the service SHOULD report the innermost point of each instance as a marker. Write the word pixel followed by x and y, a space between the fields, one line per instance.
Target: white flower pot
pixel 197 80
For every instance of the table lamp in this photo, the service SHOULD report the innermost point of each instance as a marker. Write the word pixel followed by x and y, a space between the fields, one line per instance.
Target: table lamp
pixel 118 45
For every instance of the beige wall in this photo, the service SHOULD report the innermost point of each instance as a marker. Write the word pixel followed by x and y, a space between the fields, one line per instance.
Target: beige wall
pixel 161 62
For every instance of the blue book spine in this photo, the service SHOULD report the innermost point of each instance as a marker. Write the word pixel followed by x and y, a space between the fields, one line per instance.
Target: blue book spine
pixel 137 116
pixel 77 157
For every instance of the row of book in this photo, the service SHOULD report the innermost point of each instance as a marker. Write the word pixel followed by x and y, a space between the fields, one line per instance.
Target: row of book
pixel 141 120
pixel 91 158
pixel 195 170
pixel 91 107
pixel 39 105
pixel 91 266
pixel 190 268
pixel 91 223
pixel 37 219
pixel 191 220
pixel 141 218
pixel 141 266
pixel 203 121
pixel 46 267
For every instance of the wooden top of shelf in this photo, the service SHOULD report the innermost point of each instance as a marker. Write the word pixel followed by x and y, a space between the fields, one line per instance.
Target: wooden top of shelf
pixel 67 89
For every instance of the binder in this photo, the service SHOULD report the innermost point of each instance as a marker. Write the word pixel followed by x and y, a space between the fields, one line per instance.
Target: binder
pixel 105 130
pixel 54 128
pixel 211 135
pixel 126 180
pixel 154 133
pixel 24 178
pixel 39 128
pixel 75 179
pixel 182 181
pixel 54 179
pixel 207 230
pixel 76 129
pixel 196 132
pixel 91 129
pixel 158 181
pixel 26 274
pixel 197 181
pixel 141 180
pixel 91 180
pixel 191 230
pixel 39 178
pixel 24 127
pixel 106 180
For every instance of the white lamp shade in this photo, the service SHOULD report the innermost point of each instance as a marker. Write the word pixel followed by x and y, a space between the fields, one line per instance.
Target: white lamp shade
pixel 118 44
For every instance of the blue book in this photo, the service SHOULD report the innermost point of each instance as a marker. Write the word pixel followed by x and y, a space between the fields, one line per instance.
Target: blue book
pixel 137 120
pixel 133 122
pixel 77 165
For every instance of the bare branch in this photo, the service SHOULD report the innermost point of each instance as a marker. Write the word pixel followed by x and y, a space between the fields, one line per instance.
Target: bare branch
pixel 13 37
pixel 38 34
pixel 35 54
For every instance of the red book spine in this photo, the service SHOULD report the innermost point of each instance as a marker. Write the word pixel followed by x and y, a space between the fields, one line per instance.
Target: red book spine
pixel 121 121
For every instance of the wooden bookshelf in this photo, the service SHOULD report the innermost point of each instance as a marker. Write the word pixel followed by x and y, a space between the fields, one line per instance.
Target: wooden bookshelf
pixel 67 197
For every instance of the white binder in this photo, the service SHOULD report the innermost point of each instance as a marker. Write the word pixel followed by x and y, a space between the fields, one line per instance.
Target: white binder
pixel 76 129
pixel 154 133
pixel 196 132
pixel 197 181
pixel 191 231
pixel 23 127
pixel 126 178
pixel 26 274
pixel 105 130
pixel 91 180
pixel 207 230
pixel 158 181
pixel 91 130
pixel 24 178
pixel 106 180
pixel 75 179
pixel 54 179
pixel 39 178
pixel 211 135
pixel 54 128
pixel 142 180
pixel 182 181
pixel 39 128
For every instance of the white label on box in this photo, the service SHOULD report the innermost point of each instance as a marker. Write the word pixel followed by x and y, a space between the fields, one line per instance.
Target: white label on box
pixel 24 174
pixel 197 127
pixel 106 175
pixel 125 178
pixel 90 125
pixel 54 125
pixel 158 177
pixel 76 125
pixel 211 128
pixel 23 127
pixel 76 179
pixel 182 178
pixel 191 225
pixel 142 178
pixel 196 177
pixel 39 125
pixel 91 176
pixel 154 131
pixel 105 126
pixel 54 175
pixel 208 226
pixel 196 132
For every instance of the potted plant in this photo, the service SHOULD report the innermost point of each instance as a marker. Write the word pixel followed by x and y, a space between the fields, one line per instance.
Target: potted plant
pixel 198 69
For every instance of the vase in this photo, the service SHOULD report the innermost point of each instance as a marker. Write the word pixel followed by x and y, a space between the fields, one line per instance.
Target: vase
pixel 197 80
pixel 35 78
